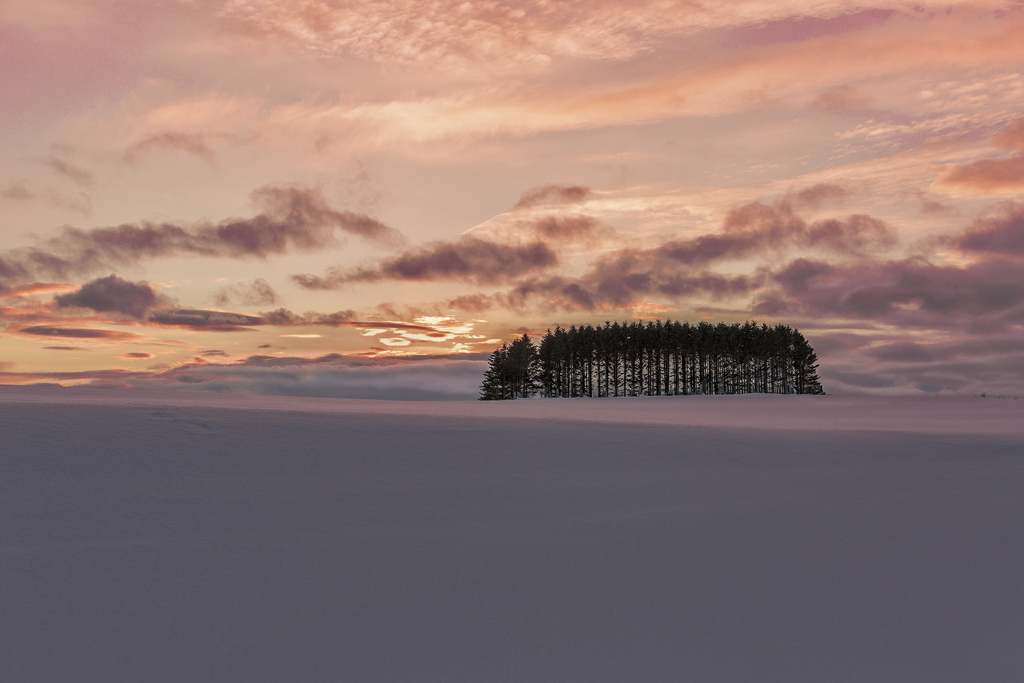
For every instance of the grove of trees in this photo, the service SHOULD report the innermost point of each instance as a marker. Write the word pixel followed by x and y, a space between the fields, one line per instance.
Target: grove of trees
pixel 654 359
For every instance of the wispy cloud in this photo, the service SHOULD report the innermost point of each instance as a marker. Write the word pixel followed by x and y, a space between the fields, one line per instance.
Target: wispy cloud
pixel 16 190
pixel 579 228
pixel 196 144
pixel 84 333
pixel 76 174
pixel 467 259
pixel 839 98
pixel 825 68
pixel 552 194
pixel 282 317
pixel 255 293
pixel 527 34
pixel 203 320
pixel 293 218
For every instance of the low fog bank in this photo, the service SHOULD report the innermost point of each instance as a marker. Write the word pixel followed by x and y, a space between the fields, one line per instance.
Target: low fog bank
pixel 400 379
pixel 921 414
pixel 264 539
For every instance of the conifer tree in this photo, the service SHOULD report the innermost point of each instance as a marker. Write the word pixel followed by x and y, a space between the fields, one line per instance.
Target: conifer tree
pixel 654 359
pixel 805 366
pixel 513 371
pixel 495 384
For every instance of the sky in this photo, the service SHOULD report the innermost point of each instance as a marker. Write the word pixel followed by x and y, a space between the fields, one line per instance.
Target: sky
pixel 328 198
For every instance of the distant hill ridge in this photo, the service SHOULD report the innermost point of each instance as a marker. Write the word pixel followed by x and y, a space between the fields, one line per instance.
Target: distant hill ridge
pixel 654 359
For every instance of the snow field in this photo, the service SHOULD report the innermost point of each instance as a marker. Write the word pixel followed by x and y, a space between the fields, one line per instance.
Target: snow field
pixel 189 537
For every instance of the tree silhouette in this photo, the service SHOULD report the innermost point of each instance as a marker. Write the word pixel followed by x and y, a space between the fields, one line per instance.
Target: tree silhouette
pixel 654 359
pixel 512 372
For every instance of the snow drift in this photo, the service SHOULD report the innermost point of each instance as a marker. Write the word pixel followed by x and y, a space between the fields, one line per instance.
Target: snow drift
pixel 196 537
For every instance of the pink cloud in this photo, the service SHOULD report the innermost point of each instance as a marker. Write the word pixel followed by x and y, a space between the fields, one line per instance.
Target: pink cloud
pixel 1012 136
pixel 529 34
pixel 196 144
pixel 993 175
pixel 840 97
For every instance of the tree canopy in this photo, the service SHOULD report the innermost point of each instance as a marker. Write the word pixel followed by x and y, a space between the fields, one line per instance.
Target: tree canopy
pixel 654 359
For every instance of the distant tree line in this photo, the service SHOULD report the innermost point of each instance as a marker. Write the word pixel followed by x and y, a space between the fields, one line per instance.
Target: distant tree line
pixel 654 359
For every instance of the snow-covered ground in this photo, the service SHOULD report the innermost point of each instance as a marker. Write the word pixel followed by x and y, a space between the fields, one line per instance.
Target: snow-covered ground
pixel 147 536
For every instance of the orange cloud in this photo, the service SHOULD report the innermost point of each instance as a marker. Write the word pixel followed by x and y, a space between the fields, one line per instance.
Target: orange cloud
pixel 988 175
pixel 828 71
pixel 1012 136
pixel 474 37
pixel 993 175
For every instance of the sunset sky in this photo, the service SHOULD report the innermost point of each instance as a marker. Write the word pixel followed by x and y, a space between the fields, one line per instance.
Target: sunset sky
pixel 365 198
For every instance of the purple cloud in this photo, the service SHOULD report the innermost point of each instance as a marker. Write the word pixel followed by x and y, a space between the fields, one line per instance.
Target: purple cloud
pixel 553 194
pixel 111 294
pixel 284 318
pixel 255 293
pixel 198 319
pixel 292 219
pixel 569 228
pixel 78 333
pixel 467 259
pixel 999 234
pixel 906 292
